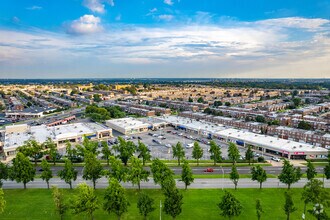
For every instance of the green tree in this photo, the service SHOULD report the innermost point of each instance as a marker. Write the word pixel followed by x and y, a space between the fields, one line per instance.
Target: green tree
pixel 190 99
pixel 70 151
pixel 46 173
pixel 144 152
pixel 260 118
pixel 173 203
pixel 161 172
pixel 97 98
pixel 86 201
pixel 259 210
pixel 249 154
pixel 136 173
pixel 52 149
pixel 106 151
pixel 68 174
pixel 145 204
pixel 227 104
pixel 178 152
pixel 230 206
pixel 215 152
pixel 311 171
pixel 233 152
pixel 33 149
pixel 288 206
pixel 60 206
pixel 289 174
pixel 217 103
pixel 186 175
pixel 115 200
pixel 3 173
pixel 314 193
pixel 327 167
pixel 258 174
pixel 200 100
pixel 2 201
pixel 22 170
pixel 234 175
pixel 125 149
pixel 117 169
pixel 304 125
pixel 197 152
pixel 296 102
pixel 93 169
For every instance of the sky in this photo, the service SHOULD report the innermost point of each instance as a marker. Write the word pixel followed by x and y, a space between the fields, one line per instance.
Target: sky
pixel 164 38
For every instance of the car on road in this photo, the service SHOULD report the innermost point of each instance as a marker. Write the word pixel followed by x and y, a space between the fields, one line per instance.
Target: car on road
pixel 156 141
pixel 276 159
pixel 189 145
pixel 209 170
pixel 140 138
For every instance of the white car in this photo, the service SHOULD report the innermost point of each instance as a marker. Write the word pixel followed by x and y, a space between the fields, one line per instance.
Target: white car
pixel 276 159
pixel 168 145
pixel 190 145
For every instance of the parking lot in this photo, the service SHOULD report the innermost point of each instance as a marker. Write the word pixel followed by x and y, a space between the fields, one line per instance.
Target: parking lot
pixel 163 149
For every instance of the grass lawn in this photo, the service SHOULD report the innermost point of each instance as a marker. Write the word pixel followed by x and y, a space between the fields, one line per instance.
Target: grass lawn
pixel 198 204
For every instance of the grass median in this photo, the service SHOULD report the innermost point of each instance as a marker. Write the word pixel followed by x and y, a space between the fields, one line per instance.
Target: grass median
pixel 198 204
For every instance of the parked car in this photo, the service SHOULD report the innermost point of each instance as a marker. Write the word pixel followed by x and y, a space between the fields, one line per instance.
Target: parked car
pixel 150 134
pixel 168 131
pixel 140 138
pixel 276 159
pixel 168 145
pixel 209 170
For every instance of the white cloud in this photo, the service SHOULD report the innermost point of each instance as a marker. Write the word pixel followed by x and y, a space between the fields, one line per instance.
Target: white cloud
pixel 168 2
pixel 34 7
pixel 295 22
pixel 97 6
pixel 166 17
pixel 246 49
pixel 118 17
pixel 153 10
pixel 86 24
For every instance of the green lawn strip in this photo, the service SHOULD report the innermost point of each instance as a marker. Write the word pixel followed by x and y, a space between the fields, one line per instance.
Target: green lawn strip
pixel 319 164
pixel 197 204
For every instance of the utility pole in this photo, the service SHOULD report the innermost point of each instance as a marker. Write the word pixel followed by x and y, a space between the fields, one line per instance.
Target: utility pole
pixel 160 209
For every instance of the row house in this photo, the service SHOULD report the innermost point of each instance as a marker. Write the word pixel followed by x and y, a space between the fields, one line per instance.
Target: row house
pixel 157 110
pixel 132 110
pixel 63 102
pixel 300 135
pixel 185 106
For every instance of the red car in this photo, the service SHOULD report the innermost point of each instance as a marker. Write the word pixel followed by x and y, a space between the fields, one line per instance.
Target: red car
pixel 209 170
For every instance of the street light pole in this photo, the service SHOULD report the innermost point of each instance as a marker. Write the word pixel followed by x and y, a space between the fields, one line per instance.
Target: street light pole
pixel 223 177
pixel 160 209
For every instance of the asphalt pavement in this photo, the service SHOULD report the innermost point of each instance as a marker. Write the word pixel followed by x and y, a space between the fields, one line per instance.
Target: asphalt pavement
pixel 198 184
pixel 200 170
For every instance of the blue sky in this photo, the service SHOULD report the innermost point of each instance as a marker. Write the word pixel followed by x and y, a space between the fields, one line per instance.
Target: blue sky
pixel 164 38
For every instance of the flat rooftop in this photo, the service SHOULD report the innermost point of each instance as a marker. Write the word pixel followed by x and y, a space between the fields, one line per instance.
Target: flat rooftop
pixel 128 123
pixel 193 124
pixel 270 142
pixel 42 132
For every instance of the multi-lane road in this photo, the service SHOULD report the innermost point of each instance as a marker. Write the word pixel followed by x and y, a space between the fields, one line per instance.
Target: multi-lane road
pixel 200 170
pixel 198 184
